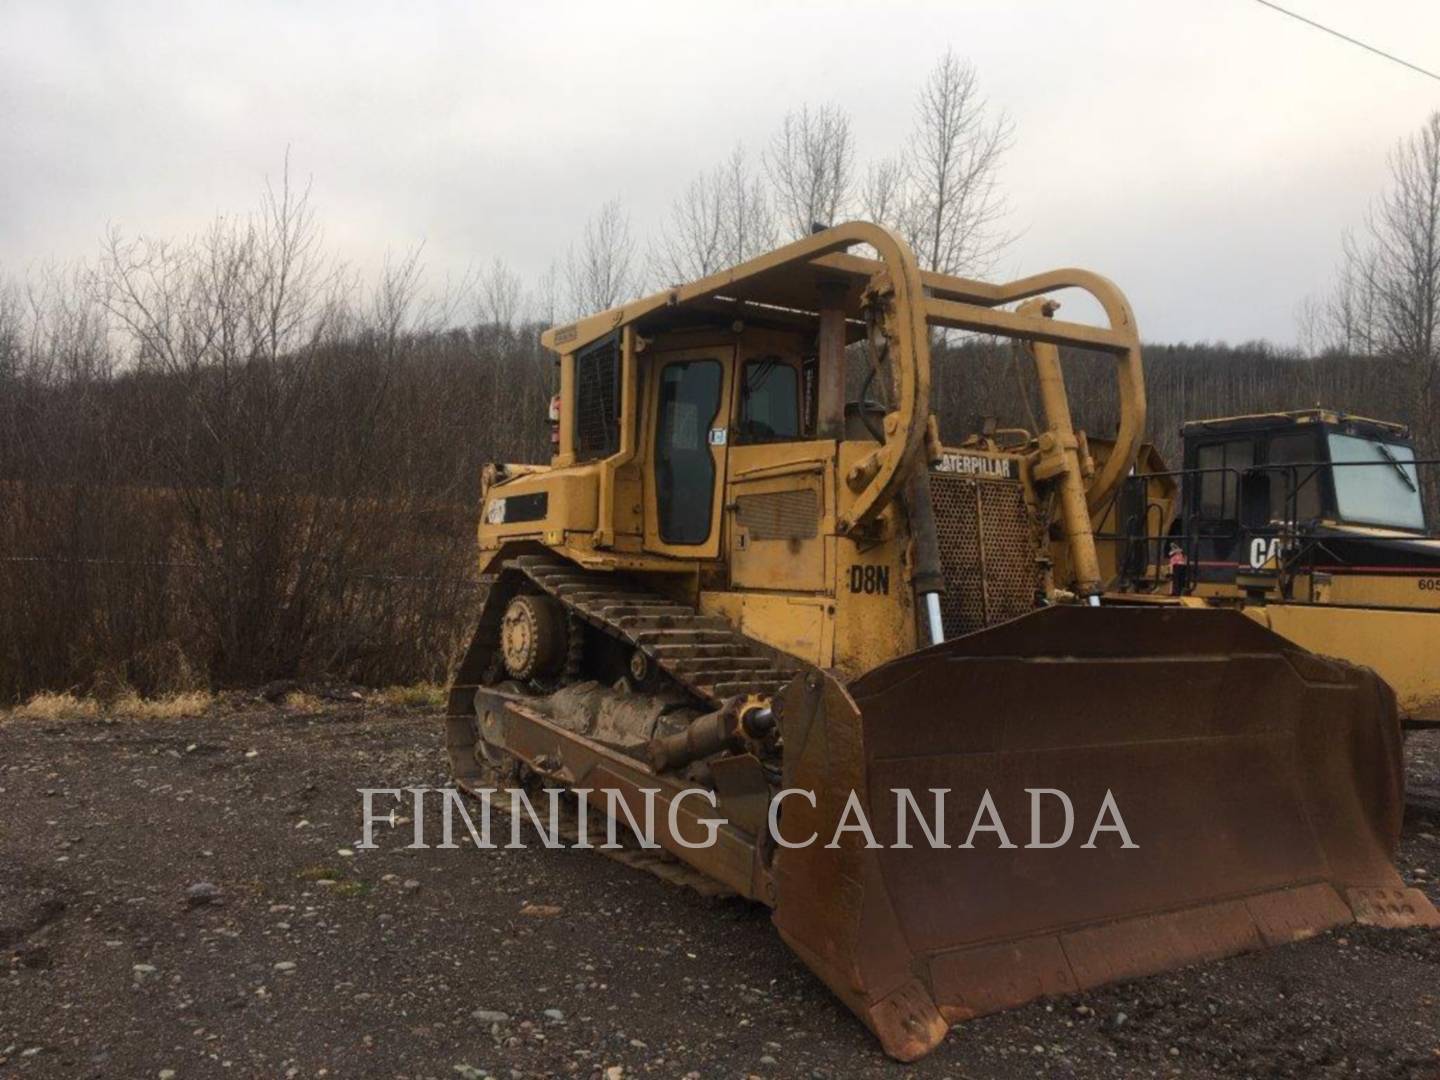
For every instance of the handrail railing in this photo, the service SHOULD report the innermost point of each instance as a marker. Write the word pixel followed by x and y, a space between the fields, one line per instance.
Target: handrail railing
pixel 1296 545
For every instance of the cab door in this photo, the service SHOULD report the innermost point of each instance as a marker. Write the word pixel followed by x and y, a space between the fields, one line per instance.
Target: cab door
pixel 689 444
pixel 1215 507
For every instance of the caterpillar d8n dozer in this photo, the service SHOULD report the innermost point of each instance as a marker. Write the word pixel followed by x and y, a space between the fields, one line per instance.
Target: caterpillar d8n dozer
pixel 741 600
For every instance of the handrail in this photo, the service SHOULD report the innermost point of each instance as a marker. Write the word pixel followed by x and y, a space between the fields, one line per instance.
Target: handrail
pixel 1302 544
pixel 964 304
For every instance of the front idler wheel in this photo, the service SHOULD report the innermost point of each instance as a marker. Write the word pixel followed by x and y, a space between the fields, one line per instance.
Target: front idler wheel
pixel 534 637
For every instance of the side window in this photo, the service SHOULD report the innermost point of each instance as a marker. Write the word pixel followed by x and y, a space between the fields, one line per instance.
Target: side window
pixel 1219 491
pixel 1291 449
pixel 769 402
pixel 597 400
pixel 1212 484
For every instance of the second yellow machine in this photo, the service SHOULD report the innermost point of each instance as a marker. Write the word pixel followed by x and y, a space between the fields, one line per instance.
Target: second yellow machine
pixel 738 595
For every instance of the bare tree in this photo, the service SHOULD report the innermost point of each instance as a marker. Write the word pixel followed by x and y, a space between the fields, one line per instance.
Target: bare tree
pixel 12 330
pixel 722 218
pixel 289 279
pixel 692 242
pixel 882 192
pixel 953 207
pixel 1405 231
pixel 749 218
pixel 65 329
pixel 499 295
pixel 811 165
pixel 1350 318
pixel 601 274
pixel 1312 325
pixel 543 305
pixel 240 325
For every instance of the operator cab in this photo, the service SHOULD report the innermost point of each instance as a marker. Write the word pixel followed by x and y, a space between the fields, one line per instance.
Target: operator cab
pixel 1327 487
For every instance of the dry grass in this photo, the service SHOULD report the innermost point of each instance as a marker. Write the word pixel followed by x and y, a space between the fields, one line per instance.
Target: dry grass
pixel 169 707
pixel 130 705
pixel 301 702
pixel 417 696
pixel 48 706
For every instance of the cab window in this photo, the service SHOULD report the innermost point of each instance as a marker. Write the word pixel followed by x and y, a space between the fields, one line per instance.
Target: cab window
pixel 1219 490
pixel 684 461
pixel 1304 484
pixel 597 400
pixel 769 402
pixel 1382 487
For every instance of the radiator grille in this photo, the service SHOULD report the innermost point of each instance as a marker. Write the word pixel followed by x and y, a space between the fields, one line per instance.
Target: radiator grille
pixel 780 515
pixel 987 550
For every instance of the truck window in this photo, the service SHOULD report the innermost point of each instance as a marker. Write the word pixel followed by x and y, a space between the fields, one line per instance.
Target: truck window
pixel 1219 491
pixel 1302 483
pixel 769 402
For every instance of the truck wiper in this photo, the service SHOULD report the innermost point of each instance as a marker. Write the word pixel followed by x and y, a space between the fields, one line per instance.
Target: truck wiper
pixel 1405 476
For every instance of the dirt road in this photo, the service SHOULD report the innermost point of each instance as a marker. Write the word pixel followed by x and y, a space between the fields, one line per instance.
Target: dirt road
pixel 184 898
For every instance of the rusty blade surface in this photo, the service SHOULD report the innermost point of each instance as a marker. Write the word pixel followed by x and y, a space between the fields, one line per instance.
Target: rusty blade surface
pixel 1262 785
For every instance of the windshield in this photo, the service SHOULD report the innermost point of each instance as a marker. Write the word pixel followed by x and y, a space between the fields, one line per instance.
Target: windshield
pixel 1384 490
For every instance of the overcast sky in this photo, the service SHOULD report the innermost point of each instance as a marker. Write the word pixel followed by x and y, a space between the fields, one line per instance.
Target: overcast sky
pixel 1204 153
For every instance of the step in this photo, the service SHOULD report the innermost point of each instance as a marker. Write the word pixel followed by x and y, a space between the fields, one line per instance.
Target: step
pixel 686 652
pixel 650 637
pixel 717 664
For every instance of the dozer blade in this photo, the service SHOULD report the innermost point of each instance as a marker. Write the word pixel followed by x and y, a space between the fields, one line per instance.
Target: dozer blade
pixel 1261 785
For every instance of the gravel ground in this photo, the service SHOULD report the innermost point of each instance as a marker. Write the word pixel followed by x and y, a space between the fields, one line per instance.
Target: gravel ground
pixel 183 898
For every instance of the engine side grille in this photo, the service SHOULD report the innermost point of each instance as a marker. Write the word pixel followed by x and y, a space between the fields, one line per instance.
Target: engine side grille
pixel 987 550
pixel 780 515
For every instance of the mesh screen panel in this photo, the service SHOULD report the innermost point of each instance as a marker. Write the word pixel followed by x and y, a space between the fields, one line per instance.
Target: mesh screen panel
pixel 780 515
pixel 987 550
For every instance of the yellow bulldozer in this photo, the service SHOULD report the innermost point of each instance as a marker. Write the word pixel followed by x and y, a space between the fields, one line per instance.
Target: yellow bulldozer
pixel 832 655
pixel 1313 523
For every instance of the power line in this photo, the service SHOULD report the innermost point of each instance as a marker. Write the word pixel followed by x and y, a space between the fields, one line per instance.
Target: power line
pixel 1351 40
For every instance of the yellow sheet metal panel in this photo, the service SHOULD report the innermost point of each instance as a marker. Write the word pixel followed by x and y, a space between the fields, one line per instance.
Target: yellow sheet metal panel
pixel 779 514
pixel 1401 646
pixel 538 503
pixel 1386 590
pixel 874 599
pixel 793 624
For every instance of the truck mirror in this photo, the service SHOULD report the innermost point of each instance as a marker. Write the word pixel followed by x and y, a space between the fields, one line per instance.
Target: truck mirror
pixel 1254 499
